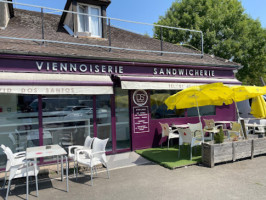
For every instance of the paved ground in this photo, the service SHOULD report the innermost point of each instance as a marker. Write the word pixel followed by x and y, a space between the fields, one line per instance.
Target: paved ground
pixel 240 180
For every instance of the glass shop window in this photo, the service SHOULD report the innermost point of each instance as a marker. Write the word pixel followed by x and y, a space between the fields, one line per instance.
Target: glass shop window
pixel 159 109
pixel 204 111
pixel 19 125
pixel 122 119
pixel 67 119
pixel 103 113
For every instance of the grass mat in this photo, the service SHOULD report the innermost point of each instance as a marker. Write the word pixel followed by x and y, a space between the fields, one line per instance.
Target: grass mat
pixel 169 157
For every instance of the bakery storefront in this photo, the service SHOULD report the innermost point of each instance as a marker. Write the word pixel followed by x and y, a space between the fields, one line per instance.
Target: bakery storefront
pixel 48 100
pixel 62 80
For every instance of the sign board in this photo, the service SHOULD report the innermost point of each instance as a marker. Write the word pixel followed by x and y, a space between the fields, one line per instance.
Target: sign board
pixel 141 119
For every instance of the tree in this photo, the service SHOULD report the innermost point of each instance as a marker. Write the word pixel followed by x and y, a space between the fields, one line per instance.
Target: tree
pixel 229 33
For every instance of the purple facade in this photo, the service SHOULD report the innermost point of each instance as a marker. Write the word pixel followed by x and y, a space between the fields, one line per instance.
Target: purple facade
pixel 145 131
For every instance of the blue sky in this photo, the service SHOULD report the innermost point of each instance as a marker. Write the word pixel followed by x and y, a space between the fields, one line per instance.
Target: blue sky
pixel 148 11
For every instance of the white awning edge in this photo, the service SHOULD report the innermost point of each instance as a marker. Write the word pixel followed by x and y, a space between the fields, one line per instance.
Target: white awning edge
pixel 53 77
pixel 134 85
pixel 56 90
pixel 130 85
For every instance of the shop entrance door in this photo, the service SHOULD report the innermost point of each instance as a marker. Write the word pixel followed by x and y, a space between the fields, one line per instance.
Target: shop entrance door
pixel 123 139
pixel 112 120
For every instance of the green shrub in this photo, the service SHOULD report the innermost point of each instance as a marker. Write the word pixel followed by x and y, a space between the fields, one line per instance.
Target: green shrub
pixel 219 137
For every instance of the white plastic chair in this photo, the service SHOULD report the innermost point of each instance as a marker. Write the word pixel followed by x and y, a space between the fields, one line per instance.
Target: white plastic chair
pixel 236 130
pixel 196 129
pixel 18 168
pixel 261 129
pixel 210 127
pixel 17 158
pixel 95 156
pixel 168 132
pixel 72 149
pixel 187 136
pixel 16 143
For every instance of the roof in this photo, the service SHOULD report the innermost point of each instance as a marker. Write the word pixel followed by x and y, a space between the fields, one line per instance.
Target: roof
pixel 27 24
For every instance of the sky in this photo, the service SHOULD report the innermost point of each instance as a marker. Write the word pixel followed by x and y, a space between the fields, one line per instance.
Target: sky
pixel 148 11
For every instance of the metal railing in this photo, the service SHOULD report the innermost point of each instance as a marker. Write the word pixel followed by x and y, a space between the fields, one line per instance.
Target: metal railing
pixel 108 19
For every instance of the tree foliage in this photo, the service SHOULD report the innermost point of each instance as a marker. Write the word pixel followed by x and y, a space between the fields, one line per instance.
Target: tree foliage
pixel 229 33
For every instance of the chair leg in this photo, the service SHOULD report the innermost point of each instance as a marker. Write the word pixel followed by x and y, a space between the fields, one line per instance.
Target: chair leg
pixel 179 149
pixel 107 171
pixel 95 169
pixel 91 176
pixel 8 188
pixel 36 180
pixel 4 184
pixel 77 173
pixel 190 152
pixel 74 168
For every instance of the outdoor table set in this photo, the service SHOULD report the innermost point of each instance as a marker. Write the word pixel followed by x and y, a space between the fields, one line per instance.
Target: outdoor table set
pixel 24 164
pixel 46 151
pixel 212 127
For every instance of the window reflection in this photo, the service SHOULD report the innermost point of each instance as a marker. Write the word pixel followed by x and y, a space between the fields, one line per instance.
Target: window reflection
pixel 204 111
pixel 67 120
pixel 122 119
pixel 159 109
pixel 19 125
pixel 103 113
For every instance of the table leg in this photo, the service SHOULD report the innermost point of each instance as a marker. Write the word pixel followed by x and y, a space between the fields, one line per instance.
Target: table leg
pixel 27 180
pixel 57 164
pixel 36 176
pixel 62 170
pixel 67 173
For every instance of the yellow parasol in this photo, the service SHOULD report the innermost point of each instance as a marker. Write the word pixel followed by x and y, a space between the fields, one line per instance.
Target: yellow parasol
pixel 208 94
pixel 258 107
pixel 241 93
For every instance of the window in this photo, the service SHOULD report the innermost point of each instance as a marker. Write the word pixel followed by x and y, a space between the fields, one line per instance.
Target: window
pixel 19 125
pixel 159 109
pixel 204 111
pixel 90 24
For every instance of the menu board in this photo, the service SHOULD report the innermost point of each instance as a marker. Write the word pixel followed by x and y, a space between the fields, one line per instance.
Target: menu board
pixel 141 119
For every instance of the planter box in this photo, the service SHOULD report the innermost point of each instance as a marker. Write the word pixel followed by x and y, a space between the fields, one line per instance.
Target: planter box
pixel 231 151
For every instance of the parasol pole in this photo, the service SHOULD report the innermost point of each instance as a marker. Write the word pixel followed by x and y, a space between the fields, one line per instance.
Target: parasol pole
pixel 237 111
pixel 198 112
pixel 199 118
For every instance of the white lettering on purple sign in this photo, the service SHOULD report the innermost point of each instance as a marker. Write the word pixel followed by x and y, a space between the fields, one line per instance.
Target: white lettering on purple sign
pixel 141 119
pixel 182 72
pixel 82 67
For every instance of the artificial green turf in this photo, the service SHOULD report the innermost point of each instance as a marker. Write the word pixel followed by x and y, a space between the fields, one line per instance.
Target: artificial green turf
pixel 169 157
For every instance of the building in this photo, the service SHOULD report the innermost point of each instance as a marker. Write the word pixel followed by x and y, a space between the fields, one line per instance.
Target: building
pixel 65 77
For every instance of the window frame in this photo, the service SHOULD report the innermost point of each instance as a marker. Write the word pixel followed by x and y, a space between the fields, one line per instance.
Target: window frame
pixel 89 7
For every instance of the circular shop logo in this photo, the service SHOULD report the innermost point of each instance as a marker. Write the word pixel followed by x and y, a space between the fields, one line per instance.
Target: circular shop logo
pixel 140 97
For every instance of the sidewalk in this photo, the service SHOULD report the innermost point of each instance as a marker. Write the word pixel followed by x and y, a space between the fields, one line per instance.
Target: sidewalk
pixel 239 180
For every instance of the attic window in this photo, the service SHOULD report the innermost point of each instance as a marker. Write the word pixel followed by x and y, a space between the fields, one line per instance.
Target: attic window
pixel 91 25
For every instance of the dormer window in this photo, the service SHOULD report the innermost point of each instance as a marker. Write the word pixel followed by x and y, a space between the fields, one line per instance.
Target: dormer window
pixel 89 24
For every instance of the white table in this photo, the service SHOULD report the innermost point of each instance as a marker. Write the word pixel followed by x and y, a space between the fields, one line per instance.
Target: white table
pixel 223 122
pixel 180 126
pixel 211 131
pixel 254 125
pixel 46 151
